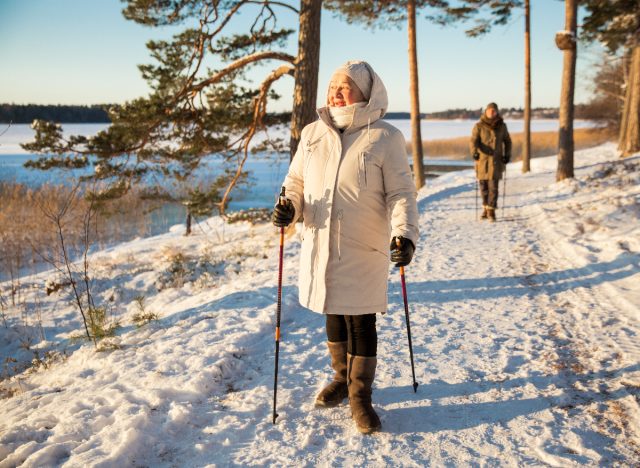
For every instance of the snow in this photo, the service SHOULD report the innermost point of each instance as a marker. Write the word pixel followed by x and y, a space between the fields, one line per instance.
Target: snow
pixel 525 336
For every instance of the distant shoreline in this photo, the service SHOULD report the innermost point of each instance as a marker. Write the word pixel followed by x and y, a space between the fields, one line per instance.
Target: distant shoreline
pixel 97 113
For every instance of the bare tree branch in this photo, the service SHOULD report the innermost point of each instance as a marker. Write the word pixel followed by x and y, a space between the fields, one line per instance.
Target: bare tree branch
pixel 255 57
pixel 281 4
pixel 260 109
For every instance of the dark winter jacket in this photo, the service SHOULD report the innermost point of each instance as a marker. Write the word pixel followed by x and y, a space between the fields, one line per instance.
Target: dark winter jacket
pixel 492 141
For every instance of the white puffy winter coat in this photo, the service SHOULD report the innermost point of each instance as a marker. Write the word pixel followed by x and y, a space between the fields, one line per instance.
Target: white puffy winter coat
pixel 354 191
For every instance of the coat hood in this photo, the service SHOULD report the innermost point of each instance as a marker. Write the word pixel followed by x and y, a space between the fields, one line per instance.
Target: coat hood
pixel 375 109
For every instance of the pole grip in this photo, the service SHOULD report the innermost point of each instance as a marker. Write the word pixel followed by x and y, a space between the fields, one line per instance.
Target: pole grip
pixel 399 245
pixel 282 199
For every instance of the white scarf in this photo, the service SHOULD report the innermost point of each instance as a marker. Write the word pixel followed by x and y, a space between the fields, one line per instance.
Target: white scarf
pixel 342 117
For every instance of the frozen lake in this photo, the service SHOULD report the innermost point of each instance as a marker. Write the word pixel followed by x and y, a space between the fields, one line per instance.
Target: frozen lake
pixel 431 130
pixel 266 174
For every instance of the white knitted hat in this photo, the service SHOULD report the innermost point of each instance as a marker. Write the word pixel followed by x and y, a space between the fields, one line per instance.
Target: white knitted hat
pixel 358 71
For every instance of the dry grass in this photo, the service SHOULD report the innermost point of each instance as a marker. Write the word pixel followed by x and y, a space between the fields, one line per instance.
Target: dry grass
pixel 542 144
pixel 26 234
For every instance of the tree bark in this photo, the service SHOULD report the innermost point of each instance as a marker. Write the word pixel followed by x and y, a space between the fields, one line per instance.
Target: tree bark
pixel 305 90
pixel 565 140
pixel 629 140
pixel 526 150
pixel 416 135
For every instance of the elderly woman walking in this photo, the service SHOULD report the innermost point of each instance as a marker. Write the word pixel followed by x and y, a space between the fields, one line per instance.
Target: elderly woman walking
pixel 351 184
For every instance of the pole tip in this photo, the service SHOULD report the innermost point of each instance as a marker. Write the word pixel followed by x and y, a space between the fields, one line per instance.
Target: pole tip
pixel 415 387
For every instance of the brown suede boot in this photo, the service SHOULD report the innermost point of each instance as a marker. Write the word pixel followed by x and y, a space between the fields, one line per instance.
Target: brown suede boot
pixel 492 214
pixel 361 373
pixel 485 213
pixel 334 393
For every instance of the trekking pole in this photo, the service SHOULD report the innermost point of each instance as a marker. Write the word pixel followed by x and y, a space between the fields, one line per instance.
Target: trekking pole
pixel 283 201
pixel 504 189
pixel 406 316
pixel 476 199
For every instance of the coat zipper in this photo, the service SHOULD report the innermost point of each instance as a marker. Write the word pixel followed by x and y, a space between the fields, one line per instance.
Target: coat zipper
pixel 363 169
pixel 340 215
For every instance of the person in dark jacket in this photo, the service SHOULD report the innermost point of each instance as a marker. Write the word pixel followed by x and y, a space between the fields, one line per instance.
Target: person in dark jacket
pixel 491 149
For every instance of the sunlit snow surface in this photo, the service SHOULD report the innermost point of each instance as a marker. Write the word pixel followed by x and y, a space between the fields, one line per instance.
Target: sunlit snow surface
pixel 525 335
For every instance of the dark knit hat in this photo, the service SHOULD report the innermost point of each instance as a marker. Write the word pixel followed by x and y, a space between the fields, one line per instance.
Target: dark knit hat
pixel 492 105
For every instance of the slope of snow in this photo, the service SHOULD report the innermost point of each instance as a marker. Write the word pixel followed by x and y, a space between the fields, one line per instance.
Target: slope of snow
pixel 525 337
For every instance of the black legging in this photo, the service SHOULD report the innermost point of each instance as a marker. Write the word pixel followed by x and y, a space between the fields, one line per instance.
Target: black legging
pixel 359 331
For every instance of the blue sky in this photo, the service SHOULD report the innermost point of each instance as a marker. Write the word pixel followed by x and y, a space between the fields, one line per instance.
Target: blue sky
pixel 84 52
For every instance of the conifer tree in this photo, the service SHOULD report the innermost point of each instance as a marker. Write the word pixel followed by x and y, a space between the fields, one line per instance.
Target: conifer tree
pixel 616 24
pixel 382 13
pixel 202 110
pixel 567 42
pixel 489 13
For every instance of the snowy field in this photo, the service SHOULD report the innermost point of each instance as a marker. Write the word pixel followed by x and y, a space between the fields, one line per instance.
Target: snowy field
pixel 525 332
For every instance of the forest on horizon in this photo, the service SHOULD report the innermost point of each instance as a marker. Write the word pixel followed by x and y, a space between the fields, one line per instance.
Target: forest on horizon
pixel 97 113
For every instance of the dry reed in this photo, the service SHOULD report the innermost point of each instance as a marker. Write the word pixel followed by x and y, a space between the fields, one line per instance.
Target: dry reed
pixel 26 234
pixel 542 144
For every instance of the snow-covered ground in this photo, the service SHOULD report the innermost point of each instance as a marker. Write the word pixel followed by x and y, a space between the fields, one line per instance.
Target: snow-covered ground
pixel 525 336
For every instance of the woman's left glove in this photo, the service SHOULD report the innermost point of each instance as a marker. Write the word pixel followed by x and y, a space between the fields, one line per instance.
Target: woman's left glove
pixel 401 255
pixel 283 214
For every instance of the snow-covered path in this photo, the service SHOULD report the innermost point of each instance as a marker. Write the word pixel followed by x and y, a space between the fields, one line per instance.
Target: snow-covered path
pixel 525 339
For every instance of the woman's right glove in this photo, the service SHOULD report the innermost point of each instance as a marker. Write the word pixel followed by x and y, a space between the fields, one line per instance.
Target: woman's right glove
pixel 476 156
pixel 283 214
pixel 401 255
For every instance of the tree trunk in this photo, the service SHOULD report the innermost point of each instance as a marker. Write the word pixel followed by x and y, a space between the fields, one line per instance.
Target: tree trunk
pixel 565 140
pixel 416 136
pixel 629 141
pixel 305 90
pixel 526 149
pixel 188 224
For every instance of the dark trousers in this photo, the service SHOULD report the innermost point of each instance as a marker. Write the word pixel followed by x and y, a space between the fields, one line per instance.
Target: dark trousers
pixel 359 331
pixel 489 191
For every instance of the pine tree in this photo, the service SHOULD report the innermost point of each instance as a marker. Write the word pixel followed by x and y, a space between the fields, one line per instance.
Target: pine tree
pixel 616 24
pixel 195 115
pixel 488 13
pixel 305 90
pixel 566 41
pixel 526 148
pixel 382 13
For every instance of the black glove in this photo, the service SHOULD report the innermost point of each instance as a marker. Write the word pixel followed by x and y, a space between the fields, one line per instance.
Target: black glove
pixel 401 256
pixel 283 214
pixel 476 156
pixel 506 158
